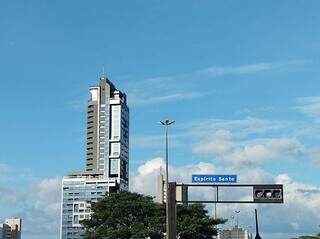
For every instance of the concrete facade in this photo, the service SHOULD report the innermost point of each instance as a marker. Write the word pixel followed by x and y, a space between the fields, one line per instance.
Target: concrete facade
pixel 108 132
pixel 11 229
pixel 235 233
pixel 79 190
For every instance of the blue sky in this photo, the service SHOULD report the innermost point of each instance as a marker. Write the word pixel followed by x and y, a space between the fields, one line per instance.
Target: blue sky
pixel 239 77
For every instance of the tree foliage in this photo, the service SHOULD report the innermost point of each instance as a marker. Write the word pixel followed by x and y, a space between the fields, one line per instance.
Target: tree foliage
pixel 128 215
pixel 193 222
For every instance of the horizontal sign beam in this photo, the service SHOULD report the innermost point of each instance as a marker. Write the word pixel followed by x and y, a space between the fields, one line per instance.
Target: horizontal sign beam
pixel 261 193
pixel 222 185
pixel 227 201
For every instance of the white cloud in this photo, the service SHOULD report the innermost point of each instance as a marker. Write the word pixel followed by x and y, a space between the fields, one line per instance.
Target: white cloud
pixel 48 193
pixel 183 86
pixel 3 168
pixel 270 149
pixel 150 100
pixel 146 141
pixel 315 157
pixel 217 147
pixel 41 216
pixel 244 141
pixel 147 176
pixel 252 68
pixel 309 106
pixel 37 202
pixel 11 196
pixel 77 104
pixel 236 128
pixel 298 215
pixel 213 129
pixel 236 144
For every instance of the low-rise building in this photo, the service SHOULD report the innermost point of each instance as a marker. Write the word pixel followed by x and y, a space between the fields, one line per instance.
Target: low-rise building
pixel 79 190
pixel 235 233
pixel 11 229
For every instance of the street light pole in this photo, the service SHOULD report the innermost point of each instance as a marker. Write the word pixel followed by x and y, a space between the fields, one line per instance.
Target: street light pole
pixel 166 123
pixel 237 212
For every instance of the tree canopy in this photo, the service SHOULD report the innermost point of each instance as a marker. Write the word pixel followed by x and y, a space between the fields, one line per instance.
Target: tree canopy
pixel 134 216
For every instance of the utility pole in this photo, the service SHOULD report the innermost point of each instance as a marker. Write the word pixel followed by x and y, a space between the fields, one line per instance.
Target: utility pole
pixel 166 123
pixel 215 205
pixel 172 212
pixel 237 212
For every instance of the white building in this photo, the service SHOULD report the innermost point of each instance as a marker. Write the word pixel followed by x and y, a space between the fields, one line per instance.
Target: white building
pixel 107 158
pixel 11 229
pixel 79 191
pixel 235 233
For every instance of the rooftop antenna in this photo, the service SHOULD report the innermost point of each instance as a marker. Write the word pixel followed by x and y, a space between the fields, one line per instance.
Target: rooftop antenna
pixel 103 72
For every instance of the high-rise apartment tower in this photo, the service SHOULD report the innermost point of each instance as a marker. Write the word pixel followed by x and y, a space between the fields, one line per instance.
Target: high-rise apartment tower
pixel 107 160
pixel 108 132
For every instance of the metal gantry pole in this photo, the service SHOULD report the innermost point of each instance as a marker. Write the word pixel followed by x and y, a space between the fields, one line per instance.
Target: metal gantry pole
pixel 215 205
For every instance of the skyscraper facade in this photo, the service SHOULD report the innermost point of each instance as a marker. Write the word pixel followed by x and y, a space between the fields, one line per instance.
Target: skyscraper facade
pixel 107 158
pixel 108 132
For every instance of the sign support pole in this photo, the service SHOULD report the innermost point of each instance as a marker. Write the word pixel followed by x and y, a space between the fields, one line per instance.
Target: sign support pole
pixel 215 205
pixel 172 212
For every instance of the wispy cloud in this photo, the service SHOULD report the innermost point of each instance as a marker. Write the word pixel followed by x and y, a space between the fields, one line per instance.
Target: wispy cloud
pixel 185 86
pixel 248 141
pixel 145 100
pixel 3 168
pixel 309 106
pixel 253 68
pixel 37 201
pixel 77 104
pixel 253 152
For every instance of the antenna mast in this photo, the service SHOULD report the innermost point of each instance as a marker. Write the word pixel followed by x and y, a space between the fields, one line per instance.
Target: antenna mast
pixel 103 72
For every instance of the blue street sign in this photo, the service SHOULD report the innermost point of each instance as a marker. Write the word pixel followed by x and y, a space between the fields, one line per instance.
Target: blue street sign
pixel 213 178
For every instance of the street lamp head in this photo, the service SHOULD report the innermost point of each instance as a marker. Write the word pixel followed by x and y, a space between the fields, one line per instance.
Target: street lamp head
pixel 167 122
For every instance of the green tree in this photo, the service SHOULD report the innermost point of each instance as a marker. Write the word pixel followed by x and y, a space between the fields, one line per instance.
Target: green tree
pixel 124 215
pixel 128 215
pixel 193 222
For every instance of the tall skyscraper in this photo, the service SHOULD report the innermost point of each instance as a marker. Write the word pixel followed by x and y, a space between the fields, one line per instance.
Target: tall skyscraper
pixel 108 132
pixel 107 158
